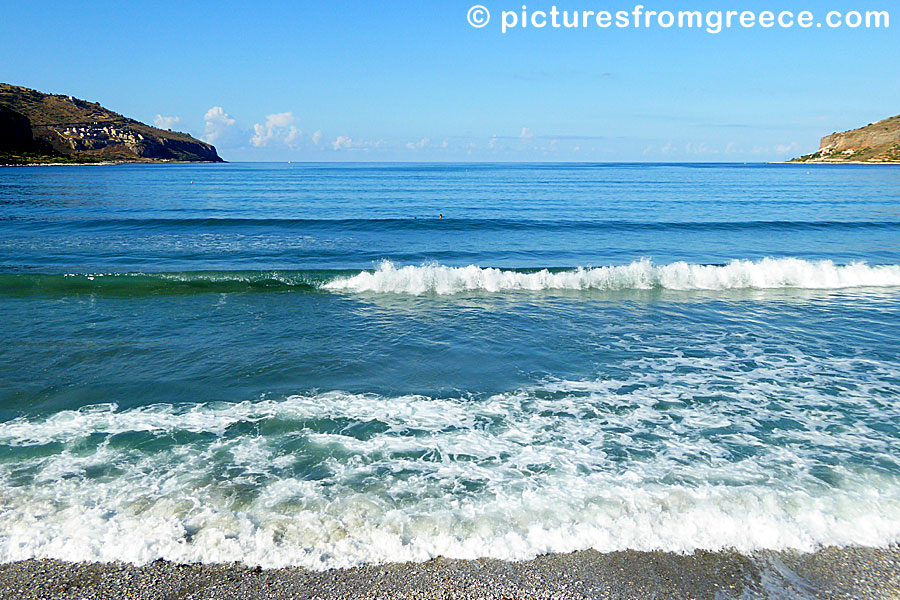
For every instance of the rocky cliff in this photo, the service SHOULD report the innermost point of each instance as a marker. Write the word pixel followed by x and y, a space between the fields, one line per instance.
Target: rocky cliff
pixel 36 127
pixel 15 132
pixel 875 143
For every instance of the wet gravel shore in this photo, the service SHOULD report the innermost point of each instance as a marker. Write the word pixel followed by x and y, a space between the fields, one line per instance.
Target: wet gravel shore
pixel 857 573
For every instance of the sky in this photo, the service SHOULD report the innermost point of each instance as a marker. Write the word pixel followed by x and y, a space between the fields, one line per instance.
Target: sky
pixel 404 80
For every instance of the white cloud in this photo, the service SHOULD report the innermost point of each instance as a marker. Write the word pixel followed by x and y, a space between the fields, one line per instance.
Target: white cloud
pixel 317 137
pixel 218 122
pixel 787 148
pixel 343 142
pixel 700 148
pixel 668 148
pixel 445 144
pixel 526 134
pixel 493 142
pixel 279 128
pixel 418 145
pixel 166 122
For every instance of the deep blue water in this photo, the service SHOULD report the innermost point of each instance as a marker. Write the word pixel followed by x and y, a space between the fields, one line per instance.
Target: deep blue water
pixel 323 365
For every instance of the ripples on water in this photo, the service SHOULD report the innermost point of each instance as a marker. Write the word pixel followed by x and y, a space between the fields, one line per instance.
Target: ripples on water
pixel 228 371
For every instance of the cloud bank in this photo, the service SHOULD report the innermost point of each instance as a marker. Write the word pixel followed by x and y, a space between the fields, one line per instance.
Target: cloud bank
pixel 166 122
pixel 279 129
pixel 218 124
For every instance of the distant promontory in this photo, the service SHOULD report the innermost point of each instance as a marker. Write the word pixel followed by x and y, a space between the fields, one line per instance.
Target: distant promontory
pixel 876 143
pixel 50 128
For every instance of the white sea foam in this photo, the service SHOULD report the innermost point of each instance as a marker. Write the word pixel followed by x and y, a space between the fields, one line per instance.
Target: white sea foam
pixel 641 275
pixel 746 450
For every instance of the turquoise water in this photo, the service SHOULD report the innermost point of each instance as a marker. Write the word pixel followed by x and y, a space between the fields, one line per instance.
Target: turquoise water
pixel 327 365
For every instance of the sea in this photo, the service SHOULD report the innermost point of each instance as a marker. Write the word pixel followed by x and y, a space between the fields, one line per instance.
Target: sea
pixel 330 365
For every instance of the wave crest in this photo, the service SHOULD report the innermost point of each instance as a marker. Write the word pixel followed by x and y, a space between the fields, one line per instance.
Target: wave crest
pixel 769 273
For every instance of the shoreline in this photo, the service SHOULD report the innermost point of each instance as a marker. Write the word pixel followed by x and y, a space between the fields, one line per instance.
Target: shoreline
pixel 837 162
pixel 111 163
pixel 212 162
pixel 855 572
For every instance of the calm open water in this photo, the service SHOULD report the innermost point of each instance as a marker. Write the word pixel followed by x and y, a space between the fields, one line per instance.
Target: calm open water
pixel 304 365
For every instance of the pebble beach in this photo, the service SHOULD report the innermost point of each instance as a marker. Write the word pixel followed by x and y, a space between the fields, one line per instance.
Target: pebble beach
pixel 859 573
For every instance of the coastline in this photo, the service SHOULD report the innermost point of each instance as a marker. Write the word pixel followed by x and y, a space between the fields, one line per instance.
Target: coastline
pixel 837 162
pixel 827 573
pixel 109 163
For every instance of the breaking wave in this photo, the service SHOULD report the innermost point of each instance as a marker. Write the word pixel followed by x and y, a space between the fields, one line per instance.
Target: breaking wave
pixel 679 454
pixel 433 278
pixel 768 273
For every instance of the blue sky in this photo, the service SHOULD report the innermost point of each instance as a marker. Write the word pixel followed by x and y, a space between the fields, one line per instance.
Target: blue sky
pixel 412 80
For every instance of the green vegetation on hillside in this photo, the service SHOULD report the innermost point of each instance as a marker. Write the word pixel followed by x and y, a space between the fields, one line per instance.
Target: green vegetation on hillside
pixel 875 143
pixel 49 128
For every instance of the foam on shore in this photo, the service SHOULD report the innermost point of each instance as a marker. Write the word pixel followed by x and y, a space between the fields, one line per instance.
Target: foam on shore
pixel 682 455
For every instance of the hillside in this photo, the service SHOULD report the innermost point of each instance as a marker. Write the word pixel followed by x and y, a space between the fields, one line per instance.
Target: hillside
pixel 875 143
pixel 37 127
